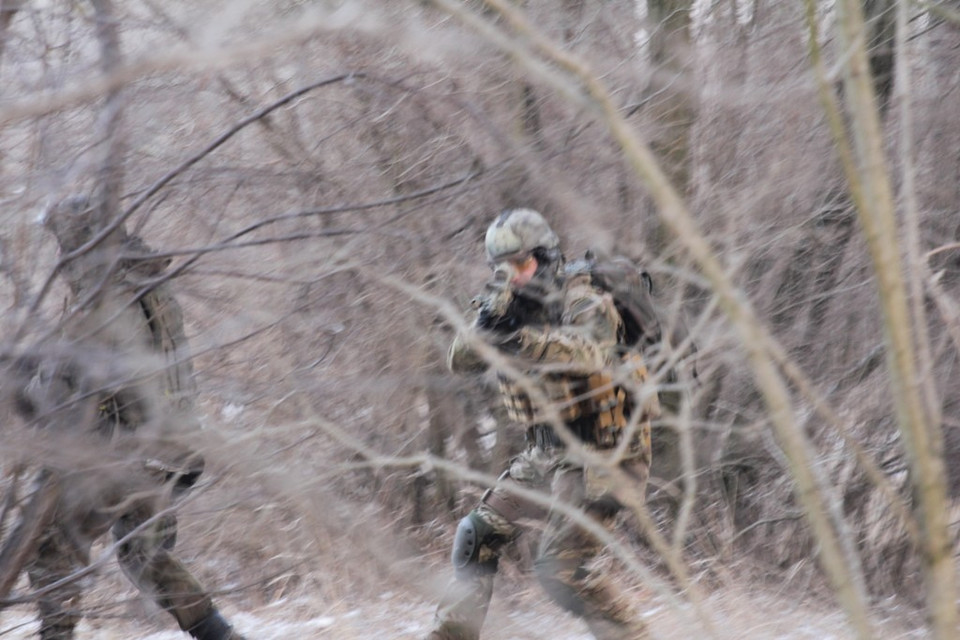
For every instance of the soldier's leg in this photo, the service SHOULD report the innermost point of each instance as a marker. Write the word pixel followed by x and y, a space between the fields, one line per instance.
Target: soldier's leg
pixel 59 608
pixel 566 566
pixel 476 553
pixel 146 559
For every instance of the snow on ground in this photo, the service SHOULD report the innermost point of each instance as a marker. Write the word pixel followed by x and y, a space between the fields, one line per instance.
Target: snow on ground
pixel 517 615
pixel 392 617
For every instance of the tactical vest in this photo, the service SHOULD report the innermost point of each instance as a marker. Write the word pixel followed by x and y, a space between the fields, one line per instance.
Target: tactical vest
pixel 594 407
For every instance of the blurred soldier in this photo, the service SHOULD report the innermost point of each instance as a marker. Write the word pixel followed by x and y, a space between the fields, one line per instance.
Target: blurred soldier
pixel 579 386
pixel 116 402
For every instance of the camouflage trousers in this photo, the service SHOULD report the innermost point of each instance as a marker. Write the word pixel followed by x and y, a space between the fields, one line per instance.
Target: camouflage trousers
pixel 133 509
pixel 568 558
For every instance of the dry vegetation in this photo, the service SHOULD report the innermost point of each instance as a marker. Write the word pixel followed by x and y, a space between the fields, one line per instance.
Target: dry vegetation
pixel 321 173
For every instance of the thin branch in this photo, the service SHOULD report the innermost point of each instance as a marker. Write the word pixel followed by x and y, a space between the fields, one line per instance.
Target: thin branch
pixel 942 12
pixel 229 242
pixel 181 59
pixel 844 573
pixel 118 221
pixel 688 464
pixel 917 268
pixel 923 442
pixel 844 149
pixel 100 560
pixel 540 498
pixel 350 76
pixel 575 449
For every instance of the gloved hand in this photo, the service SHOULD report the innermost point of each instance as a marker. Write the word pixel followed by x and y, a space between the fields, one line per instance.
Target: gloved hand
pixel 494 305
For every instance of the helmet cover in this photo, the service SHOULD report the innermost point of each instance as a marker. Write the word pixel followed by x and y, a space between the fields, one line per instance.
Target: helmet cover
pixel 516 232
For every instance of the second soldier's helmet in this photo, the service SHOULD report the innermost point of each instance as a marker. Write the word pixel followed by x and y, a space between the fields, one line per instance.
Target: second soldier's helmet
pixel 516 232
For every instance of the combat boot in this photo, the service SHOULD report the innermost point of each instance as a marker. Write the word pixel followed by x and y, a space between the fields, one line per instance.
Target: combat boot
pixel 611 630
pixel 214 627
pixel 453 632
pixel 56 632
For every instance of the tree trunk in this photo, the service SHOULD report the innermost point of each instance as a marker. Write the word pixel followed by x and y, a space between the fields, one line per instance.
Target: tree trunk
pixel 881 29
pixel 110 179
pixel 670 101
pixel 8 9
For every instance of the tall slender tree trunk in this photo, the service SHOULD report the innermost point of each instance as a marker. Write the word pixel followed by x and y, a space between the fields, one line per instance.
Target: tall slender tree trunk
pixel 881 29
pixel 671 103
pixel 110 180
pixel 8 9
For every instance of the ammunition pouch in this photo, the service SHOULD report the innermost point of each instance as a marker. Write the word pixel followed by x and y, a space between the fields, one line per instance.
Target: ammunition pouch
pixel 594 408
pixel 544 436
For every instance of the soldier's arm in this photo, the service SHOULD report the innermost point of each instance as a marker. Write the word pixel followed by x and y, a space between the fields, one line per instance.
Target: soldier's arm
pixel 462 358
pixel 491 318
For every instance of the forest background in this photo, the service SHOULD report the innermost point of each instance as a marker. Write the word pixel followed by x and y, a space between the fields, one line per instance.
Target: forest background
pixel 322 173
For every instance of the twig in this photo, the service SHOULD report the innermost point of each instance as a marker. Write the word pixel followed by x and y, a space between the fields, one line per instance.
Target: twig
pixel 845 576
pixel 119 220
pixel 632 499
pixel 942 12
pixel 540 498
pixel 922 441
pixel 99 561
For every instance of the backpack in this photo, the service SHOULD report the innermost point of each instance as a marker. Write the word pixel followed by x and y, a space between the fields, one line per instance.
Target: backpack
pixel 632 289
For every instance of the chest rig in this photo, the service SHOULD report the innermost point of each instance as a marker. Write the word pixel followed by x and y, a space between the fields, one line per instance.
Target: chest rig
pixel 596 406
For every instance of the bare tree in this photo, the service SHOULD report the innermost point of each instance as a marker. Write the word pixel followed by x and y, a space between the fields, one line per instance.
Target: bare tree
pixel 319 176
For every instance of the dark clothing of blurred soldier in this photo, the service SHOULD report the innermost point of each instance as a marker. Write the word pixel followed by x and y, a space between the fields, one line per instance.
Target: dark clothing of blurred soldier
pixel 577 387
pixel 120 400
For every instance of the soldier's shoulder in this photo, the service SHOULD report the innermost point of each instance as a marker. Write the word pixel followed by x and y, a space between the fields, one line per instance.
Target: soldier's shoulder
pixel 579 278
pixel 582 266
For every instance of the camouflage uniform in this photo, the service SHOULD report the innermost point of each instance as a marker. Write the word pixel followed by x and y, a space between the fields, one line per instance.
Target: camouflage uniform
pixel 128 372
pixel 575 365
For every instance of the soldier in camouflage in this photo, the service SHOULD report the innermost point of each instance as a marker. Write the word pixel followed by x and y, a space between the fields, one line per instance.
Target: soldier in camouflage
pixel 123 375
pixel 579 388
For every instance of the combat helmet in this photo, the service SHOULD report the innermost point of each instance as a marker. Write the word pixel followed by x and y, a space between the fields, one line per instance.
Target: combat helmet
pixel 516 232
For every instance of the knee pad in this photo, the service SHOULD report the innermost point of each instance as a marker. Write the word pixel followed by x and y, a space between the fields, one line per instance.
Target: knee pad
pixel 472 534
